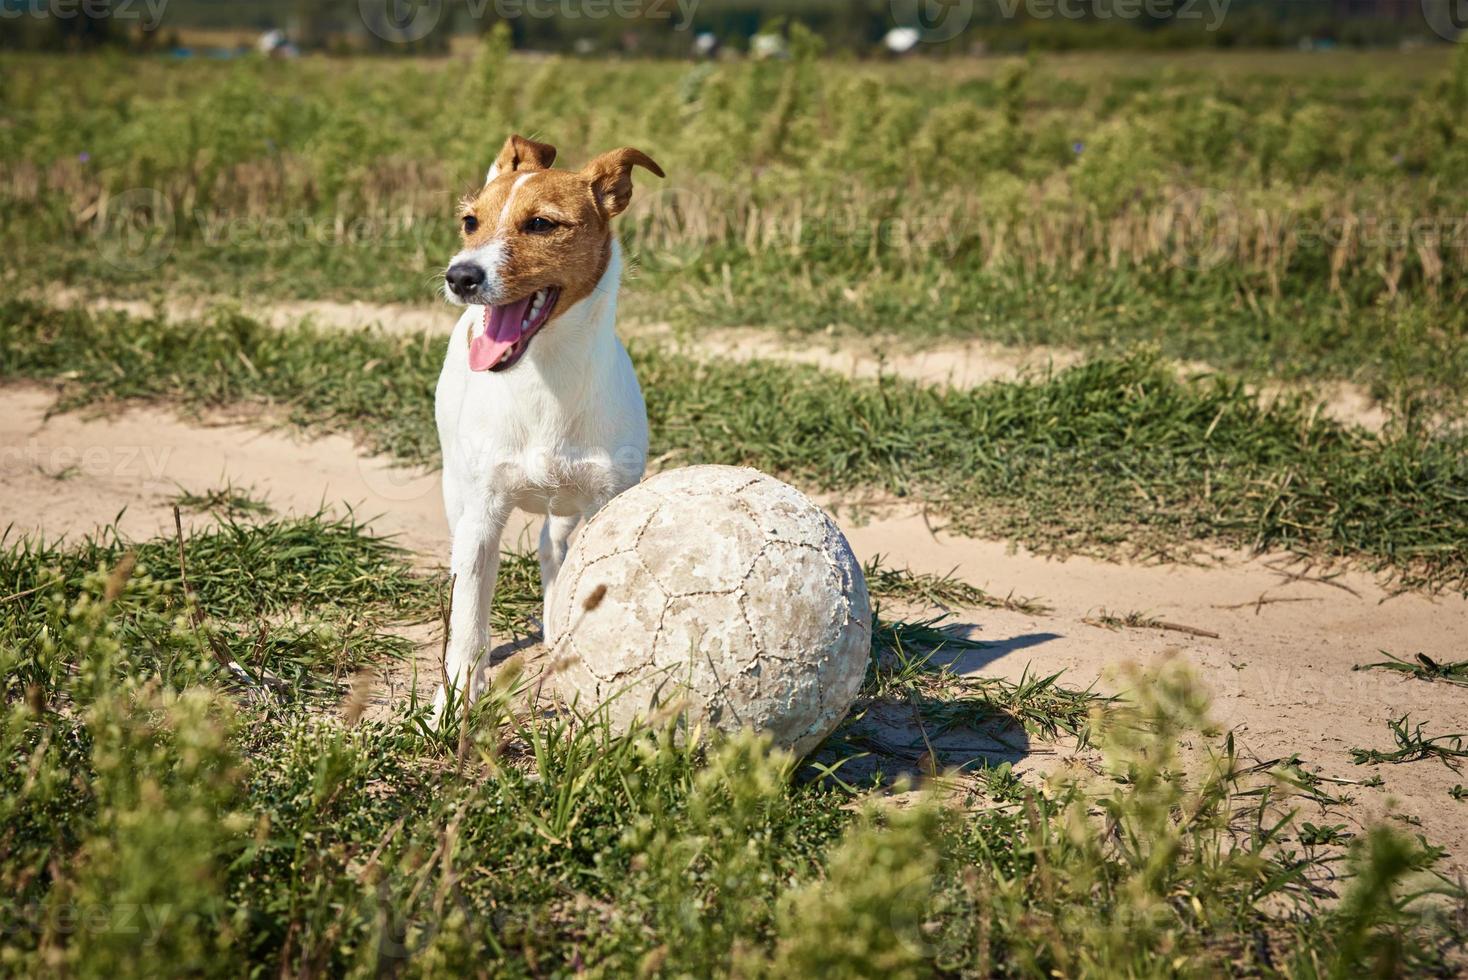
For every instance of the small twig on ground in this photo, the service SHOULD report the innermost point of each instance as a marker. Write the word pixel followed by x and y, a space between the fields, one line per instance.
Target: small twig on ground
pixel 930 754
pixel 1139 621
pixel 31 591
pixel 1305 576
pixel 1262 601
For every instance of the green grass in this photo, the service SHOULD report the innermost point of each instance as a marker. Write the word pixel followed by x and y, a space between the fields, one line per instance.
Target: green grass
pixel 156 825
pixel 885 582
pixel 296 596
pixel 1114 456
pixel 231 500
pixel 1414 744
pixel 157 822
pixel 1423 668
pixel 1288 217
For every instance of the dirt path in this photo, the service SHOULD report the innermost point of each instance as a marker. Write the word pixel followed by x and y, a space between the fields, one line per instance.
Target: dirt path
pixel 961 364
pixel 1280 669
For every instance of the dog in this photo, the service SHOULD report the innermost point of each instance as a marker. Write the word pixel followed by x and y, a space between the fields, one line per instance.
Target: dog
pixel 538 407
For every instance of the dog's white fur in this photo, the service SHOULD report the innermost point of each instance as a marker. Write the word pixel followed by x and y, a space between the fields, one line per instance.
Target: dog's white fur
pixel 560 434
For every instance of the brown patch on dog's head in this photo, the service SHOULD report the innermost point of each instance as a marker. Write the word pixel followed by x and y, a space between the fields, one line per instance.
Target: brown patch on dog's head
pixel 531 227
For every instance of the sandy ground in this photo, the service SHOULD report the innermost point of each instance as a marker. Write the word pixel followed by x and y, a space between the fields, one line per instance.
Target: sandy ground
pixel 1280 669
pixel 960 364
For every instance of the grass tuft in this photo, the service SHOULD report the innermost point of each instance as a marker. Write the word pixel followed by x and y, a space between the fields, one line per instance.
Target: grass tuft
pixel 943 591
pixel 1413 744
pixel 1423 668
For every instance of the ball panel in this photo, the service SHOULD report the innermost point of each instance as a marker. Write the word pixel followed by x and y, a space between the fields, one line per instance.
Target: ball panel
pixel 740 702
pixel 790 701
pixel 619 529
pixel 563 596
pixel 705 632
pixel 786 514
pixel 793 601
pixel 631 610
pixel 698 546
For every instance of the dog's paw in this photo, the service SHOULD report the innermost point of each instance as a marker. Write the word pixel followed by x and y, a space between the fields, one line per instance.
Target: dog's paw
pixel 442 702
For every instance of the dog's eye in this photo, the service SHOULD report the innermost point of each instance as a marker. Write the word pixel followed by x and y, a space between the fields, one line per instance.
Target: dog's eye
pixel 539 224
pixel 471 224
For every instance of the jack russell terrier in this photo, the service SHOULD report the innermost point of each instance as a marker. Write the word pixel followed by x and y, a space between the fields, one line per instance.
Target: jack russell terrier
pixel 538 407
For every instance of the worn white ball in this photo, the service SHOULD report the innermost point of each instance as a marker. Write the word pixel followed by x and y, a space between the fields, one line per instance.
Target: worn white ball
pixel 725 597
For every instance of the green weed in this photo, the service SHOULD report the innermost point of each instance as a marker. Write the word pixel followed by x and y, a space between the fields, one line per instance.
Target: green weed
pixel 230 500
pixel 1414 744
pixel 1423 668
pixel 906 585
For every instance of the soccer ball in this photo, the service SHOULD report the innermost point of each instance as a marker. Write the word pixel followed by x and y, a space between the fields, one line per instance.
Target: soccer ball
pixel 715 595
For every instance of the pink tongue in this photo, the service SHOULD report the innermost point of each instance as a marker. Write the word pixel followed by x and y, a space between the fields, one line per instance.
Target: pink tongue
pixel 501 330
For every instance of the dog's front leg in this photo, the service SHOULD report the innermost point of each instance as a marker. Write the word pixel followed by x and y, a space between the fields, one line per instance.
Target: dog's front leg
pixel 475 563
pixel 555 538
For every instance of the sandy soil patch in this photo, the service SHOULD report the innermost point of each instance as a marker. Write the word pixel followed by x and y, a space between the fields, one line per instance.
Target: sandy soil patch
pixel 959 364
pixel 1280 668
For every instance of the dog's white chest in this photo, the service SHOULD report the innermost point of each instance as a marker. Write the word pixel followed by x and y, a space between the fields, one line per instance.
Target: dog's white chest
pixel 557 433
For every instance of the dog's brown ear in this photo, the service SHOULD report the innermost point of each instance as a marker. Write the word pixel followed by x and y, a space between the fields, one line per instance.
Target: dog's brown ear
pixel 519 153
pixel 611 177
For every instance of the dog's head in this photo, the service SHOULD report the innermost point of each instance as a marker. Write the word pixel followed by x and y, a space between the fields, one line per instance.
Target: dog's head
pixel 535 242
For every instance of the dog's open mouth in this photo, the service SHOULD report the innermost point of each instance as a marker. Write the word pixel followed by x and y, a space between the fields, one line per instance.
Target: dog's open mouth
pixel 505 334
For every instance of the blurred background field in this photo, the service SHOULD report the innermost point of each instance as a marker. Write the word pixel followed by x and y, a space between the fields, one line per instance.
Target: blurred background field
pixel 1292 220
pixel 1277 213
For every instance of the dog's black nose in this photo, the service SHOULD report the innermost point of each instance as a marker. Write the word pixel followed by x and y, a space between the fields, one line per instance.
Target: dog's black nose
pixel 464 278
